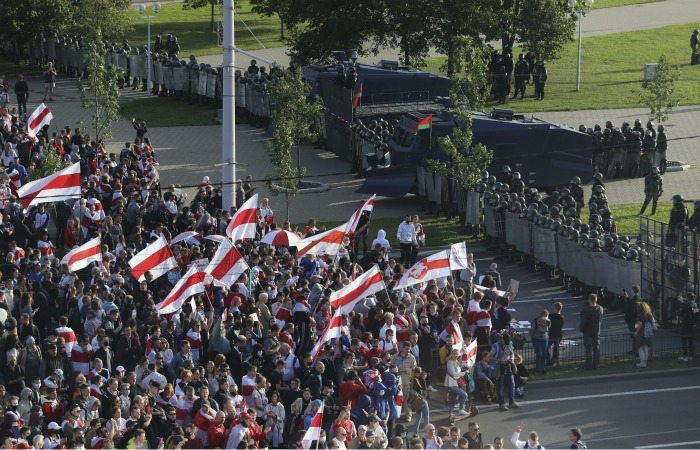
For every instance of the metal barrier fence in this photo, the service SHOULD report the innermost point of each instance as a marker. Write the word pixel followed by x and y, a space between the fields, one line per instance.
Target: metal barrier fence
pixel 613 348
pixel 669 266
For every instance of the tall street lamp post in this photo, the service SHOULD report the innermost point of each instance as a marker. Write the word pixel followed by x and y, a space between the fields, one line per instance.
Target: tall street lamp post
pixel 142 11
pixel 580 7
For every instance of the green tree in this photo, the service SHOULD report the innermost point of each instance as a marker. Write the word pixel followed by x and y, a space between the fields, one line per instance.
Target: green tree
pixel 47 165
pixel 196 4
pixel 543 27
pixel 317 27
pixel 661 94
pixel 454 19
pixel 468 93
pixel 99 93
pixel 282 8
pixel 95 19
pixel 405 27
pixel 19 18
pixel 296 120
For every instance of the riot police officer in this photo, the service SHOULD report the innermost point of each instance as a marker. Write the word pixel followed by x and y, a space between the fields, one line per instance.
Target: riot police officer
pixel 638 126
pixel 576 193
pixel 597 154
pixel 634 149
pixel 253 67
pixel 661 146
pixel 650 127
pixel 506 175
pixel 522 75
pixel 517 185
pixel 608 223
pixel 677 221
pixel 618 154
pixel 653 188
pixel 695 45
pixel 500 81
pixel 598 180
pixel 648 156
pixel 540 78
pixel 694 221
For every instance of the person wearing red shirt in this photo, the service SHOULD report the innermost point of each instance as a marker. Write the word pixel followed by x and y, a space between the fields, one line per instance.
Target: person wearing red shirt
pixel 351 389
pixel 343 421
pixel 373 352
pixel 216 434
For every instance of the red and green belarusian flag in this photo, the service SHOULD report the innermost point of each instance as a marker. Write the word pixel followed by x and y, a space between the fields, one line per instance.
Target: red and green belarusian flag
pixel 424 124
pixel 356 98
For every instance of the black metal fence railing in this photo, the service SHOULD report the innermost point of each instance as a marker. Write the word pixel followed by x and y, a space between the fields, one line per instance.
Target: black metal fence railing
pixel 669 266
pixel 613 348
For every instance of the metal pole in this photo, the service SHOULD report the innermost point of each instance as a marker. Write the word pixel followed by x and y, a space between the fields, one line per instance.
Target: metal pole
pixel 578 64
pixel 148 65
pixel 228 137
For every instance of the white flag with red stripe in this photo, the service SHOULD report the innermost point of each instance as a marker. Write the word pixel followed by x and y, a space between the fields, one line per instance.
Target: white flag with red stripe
pixel 187 286
pixel 62 185
pixel 332 331
pixel 366 284
pixel 157 259
pixel 429 268
pixel 81 257
pixel 40 117
pixel 226 265
pixel 469 352
pixel 452 329
pixel 326 243
pixel 367 206
pixel 243 224
pixel 398 400
pixel 314 431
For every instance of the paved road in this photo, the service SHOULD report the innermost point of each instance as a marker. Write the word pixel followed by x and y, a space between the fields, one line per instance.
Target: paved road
pixel 653 410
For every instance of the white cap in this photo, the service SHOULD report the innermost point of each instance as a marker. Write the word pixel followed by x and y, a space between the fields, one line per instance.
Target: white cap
pixel 54 426
pixel 205 179
pixel 121 369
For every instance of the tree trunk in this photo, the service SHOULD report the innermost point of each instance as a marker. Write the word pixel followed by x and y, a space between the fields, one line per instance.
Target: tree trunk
pixel 212 17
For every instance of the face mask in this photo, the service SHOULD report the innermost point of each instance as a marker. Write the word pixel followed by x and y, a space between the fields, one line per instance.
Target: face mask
pixel 322 440
pixel 381 393
pixel 37 385
pixel 260 353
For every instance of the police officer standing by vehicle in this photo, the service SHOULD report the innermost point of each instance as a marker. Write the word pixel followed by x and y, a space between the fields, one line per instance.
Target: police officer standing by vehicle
pixel 653 188
pixel 695 45
pixel 661 146
pixel 522 75
pixel 540 78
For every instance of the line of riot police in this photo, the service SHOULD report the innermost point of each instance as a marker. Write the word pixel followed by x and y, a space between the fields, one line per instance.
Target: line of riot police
pixel 628 152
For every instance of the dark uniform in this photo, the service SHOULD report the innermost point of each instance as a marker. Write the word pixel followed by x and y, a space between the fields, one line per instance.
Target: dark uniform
pixel 540 78
pixel 648 155
pixel 522 75
pixel 598 154
pixel 653 188
pixel 677 221
pixel 634 152
pixel 661 146
pixel 694 221
pixel 500 81
pixel 695 45
pixel 618 149
pixel 577 193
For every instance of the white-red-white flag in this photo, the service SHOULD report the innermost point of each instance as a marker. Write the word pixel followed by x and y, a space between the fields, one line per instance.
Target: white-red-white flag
pixel 429 268
pixel 226 265
pixel 190 284
pixel 326 243
pixel 314 431
pixel 366 284
pixel 40 117
pixel 157 259
pixel 243 224
pixel 355 218
pixel 81 257
pixel 452 329
pixel 332 331
pixel 62 185
pixel 469 352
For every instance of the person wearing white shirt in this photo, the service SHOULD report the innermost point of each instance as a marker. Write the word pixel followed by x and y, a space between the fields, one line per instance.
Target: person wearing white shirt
pixel 388 325
pixel 531 442
pixel 406 234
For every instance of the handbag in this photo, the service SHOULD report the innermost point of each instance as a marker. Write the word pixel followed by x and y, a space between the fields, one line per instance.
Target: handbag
pixel 461 382
pixel 416 401
pixel 471 384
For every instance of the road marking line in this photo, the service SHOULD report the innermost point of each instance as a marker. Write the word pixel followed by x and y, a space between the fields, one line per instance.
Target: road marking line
pixel 638 435
pixel 673 444
pixel 612 394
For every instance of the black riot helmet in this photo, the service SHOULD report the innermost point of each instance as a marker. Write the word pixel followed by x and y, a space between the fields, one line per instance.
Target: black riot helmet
pixel 650 125
pixel 661 128
pixel 596 127
pixel 582 128
pixel 609 125
pixel 677 198
pixel 696 204
pixel 598 176
pixel 576 181
pixel 598 189
pixel 516 175
pixel 253 62
pixel 506 169
pixel 637 123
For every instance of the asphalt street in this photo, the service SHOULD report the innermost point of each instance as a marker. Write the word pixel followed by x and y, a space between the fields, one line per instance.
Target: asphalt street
pixel 652 410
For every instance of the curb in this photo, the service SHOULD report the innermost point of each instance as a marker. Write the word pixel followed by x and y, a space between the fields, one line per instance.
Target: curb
pixel 614 376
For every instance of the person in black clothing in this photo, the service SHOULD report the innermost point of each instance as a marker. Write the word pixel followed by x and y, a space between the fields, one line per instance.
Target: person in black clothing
pixel 502 317
pixel 361 232
pixel 556 326
pixel 687 317
pixel 22 92
pixel 140 128
pixel 591 321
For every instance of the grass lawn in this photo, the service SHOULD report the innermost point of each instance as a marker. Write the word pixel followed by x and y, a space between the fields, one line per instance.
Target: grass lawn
pixel 627 216
pixel 439 231
pixel 168 112
pixel 600 4
pixel 612 66
pixel 192 29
